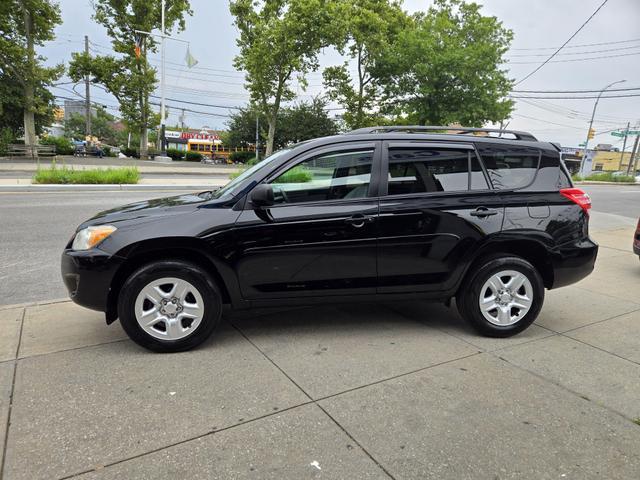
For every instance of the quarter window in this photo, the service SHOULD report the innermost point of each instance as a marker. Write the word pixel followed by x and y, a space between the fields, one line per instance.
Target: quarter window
pixel 426 170
pixel 332 176
pixel 510 167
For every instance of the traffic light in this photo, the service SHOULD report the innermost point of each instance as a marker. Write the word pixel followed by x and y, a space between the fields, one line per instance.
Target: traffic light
pixel 592 133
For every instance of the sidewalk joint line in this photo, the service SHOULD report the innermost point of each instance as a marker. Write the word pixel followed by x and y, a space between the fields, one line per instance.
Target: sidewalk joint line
pixel 13 386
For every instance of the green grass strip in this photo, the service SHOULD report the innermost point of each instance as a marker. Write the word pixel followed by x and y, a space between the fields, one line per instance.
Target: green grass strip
pixel 66 175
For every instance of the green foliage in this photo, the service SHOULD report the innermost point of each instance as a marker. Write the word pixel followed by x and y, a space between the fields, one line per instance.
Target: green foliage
pixel 302 121
pixel 277 39
pixel 448 68
pixel 175 154
pixel 6 138
pixel 367 28
pixel 108 152
pixel 103 126
pixel 130 152
pixel 26 105
pixel 242 157
pixel 128 78
pixel 297 174
pixel 193 156
pixel 63 145
pixel 605 177
pixel 54 174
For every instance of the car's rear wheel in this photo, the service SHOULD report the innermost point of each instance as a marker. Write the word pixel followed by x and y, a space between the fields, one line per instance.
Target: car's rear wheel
pixel 502 297
pixel 169 306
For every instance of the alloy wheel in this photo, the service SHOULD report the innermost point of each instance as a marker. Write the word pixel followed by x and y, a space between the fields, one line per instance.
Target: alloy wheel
pixel 169 308
pixel 506 297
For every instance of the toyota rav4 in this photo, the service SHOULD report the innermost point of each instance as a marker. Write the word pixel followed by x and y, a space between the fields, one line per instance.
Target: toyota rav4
pixel 390 213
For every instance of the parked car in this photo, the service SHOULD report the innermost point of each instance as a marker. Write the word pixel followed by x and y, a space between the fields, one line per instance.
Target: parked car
pixel 636 240
pixel 387 213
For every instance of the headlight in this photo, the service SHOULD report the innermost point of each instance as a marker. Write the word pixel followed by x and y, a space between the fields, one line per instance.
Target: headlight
pixel 91 236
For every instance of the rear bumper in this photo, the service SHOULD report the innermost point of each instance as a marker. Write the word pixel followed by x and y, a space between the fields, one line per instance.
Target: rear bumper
pixel 573 261
pixel 636 243
pixel 88 275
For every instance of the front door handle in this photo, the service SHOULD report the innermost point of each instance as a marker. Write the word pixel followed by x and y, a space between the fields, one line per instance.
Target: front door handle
pixel 483 212
pixel 359 220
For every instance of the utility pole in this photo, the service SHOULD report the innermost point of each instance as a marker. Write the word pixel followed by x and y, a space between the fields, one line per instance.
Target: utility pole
pixel 163 140
pixel 593 114
pixel 624 145
pixel 87 97
pixel 633 154
pixel 257 136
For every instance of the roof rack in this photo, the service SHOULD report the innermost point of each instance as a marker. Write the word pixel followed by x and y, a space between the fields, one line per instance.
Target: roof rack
pixel 446 130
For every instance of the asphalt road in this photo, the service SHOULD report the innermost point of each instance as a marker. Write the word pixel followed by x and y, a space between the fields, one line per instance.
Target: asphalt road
pixel 34 227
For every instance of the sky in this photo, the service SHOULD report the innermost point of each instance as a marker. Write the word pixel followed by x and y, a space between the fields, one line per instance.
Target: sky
pixel 539 27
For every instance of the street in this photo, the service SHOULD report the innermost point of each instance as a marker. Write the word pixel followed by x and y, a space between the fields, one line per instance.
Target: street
pixel 42 223
pixel 36 227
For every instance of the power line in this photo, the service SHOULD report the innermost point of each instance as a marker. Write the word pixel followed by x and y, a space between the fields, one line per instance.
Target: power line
pixel 198 103
pixel 573 60
pixel 576 53
pixel 631 40
pixel 576 91
pixel 563 45
pixel 578 97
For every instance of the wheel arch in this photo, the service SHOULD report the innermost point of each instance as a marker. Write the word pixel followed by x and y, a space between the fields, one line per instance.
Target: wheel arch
pixel 146 251
pixel 533 250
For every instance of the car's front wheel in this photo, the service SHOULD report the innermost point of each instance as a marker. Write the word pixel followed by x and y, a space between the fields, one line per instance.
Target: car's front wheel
pixel 502 297
pixel 169 306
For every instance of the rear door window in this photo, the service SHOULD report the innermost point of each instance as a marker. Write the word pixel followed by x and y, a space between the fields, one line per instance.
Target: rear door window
pixel 427 170
pixel 509 167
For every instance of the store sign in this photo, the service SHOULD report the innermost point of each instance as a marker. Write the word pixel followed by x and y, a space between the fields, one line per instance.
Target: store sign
pixel 191 136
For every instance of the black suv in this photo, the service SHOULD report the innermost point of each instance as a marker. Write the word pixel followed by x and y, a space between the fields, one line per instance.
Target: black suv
pixel 385 212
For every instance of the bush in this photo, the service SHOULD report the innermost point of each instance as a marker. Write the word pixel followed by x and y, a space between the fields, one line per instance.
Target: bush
pixel 93 176
pixel 108 152
pixel 130 152
pixel 175 154
pixel 242 157
pixel 193 156
pixel 605 177
pixel 6 138
pixel 63 145
pixel 295 175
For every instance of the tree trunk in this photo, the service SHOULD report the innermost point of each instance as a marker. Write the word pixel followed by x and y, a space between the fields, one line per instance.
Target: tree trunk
pixel 30 137
pixel 271 136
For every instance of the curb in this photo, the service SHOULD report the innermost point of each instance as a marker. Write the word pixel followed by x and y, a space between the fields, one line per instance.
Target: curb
pixel 104 187
pixel 34 304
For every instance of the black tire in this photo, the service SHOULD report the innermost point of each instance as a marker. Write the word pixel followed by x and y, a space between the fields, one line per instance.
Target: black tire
pixel 468 297
pixel 189 272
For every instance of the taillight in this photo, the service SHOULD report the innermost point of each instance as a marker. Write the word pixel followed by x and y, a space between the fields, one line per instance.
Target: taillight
pixel 578 196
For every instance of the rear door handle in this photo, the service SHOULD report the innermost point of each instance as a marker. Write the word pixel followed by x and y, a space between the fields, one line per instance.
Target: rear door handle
pixel 483 212
pixel 359 220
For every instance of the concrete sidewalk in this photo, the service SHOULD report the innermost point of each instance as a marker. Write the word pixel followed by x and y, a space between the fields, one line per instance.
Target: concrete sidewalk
pixel 346 392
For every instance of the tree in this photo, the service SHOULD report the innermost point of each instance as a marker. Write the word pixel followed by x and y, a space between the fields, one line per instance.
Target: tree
pixel 368 27
pixel 448 68
pixel 103 126
pixel 279 38
pixel 24 25
pixel 129 77
pixel 302 121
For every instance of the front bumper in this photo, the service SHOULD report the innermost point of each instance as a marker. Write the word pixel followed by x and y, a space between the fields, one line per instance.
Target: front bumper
pixel 574 261
pixel 88 275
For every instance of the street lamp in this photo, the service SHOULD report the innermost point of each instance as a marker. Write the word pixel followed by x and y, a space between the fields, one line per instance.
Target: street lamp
pixel 593 114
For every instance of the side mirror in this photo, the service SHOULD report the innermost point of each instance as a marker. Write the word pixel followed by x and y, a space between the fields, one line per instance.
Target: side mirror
pixel 262 196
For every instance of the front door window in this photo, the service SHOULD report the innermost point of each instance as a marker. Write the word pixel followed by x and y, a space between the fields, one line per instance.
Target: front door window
pixel 330 176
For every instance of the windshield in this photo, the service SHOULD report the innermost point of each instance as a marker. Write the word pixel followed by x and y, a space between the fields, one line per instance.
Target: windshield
pixel 232 187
